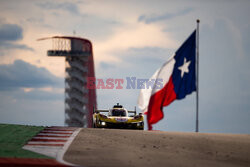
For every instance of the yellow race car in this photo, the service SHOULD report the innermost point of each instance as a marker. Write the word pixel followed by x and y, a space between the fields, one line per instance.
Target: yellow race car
pixel 118 118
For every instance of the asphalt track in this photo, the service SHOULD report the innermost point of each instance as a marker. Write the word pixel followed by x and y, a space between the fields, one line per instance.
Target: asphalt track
pixel 125 148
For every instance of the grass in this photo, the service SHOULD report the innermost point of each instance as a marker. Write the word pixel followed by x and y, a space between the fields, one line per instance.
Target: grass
pixel 14 137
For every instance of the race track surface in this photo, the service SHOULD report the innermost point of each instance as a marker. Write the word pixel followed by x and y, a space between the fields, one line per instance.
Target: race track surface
pixel 124 148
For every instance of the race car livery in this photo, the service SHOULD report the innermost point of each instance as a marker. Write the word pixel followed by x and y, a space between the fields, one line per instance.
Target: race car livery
pixel 118 118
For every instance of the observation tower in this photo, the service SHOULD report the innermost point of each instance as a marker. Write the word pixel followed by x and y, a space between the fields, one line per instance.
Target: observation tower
pixel 79 65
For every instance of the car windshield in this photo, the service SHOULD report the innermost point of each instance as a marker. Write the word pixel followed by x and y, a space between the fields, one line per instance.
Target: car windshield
pixel 116 112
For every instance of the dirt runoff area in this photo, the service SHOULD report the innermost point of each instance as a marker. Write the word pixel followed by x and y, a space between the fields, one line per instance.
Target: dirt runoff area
pixel 125 148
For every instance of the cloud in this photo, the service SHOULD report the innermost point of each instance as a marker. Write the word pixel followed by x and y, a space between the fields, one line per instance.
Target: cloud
pixel 9 34
pixel 8 45
pixel 35 20
pixel 135 62
pixel 70 7
pixel 137 35
pixel 105 65
pixel 155 18
pixel 40 94
pixel 149 55
pixel 22 74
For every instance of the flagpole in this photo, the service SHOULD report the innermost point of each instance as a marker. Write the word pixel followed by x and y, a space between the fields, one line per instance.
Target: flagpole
pixel 197 76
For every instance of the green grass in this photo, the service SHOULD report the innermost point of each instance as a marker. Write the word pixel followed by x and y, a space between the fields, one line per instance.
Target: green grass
pixel 14 137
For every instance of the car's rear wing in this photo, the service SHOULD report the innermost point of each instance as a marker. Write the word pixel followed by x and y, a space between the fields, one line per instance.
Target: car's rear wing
pixel 129 111
pixel 98 111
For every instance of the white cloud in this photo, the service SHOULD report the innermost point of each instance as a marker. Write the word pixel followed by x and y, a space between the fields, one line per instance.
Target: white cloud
pixel 136 35
pixel 26 90
pixel 44 89
pixel 128 33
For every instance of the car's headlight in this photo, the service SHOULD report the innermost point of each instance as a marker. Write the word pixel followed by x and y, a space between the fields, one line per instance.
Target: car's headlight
pixel 140 124
pixel 103 123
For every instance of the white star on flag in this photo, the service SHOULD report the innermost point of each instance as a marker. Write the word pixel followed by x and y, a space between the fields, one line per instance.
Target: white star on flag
pixel 184 67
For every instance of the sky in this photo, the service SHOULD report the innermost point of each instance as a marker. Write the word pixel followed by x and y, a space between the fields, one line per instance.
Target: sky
pixel 130 38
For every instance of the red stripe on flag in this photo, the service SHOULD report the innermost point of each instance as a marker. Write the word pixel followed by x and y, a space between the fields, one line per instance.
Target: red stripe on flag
pixel 158 100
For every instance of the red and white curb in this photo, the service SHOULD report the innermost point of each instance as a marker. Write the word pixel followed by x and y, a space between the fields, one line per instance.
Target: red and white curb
pixel 53 142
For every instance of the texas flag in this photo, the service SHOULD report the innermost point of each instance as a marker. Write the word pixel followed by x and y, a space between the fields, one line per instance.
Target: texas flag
pixel 178 76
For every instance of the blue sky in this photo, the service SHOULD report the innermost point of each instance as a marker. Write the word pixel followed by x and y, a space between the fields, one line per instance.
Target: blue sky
pixel 130 39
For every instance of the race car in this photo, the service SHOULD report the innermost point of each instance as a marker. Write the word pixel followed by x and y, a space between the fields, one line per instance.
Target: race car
pixel 118 118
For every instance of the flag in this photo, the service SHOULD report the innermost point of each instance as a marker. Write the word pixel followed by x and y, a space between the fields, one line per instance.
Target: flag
pixel 178 76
